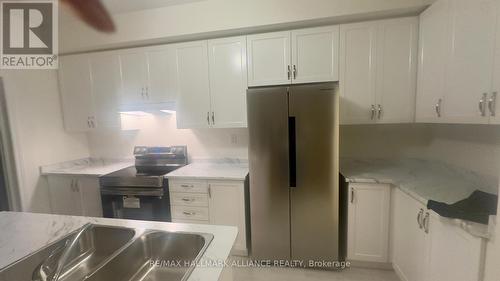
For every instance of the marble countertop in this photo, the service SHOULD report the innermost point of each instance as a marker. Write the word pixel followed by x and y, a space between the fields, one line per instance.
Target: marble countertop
pixel 86 167
pixel 423 180
pixel 213 169
pixel 25 233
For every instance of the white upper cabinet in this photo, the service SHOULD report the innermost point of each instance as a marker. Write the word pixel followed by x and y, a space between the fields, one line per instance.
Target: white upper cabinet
pixel 368 222
pixel 76 93
pixel 457 50
pixel 396 70
pixel 357 73
pixel 470 60
pixel 433 42
pixel 493 102
pixel 193 108
pixel 315 54
pixel 269 59
pixel 134 69
pixel 228 82
pixel 378 71
pixel 162 64
pixel 106 87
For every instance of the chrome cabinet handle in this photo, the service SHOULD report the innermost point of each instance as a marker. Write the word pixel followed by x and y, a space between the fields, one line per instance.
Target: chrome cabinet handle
pixel 294 71
pixel 426 222
pixel 482 103
pixel 438 107
pixel 379 111
pixel 147 92
pixel 189 213
pixel 492 103
pixel 208 118
pixel 187 185
pixel 188 199
pixel 209 191
pixel 419 218
pixel 289 72
pixel 352 195
pixel 373 112
pixel 88 123
pixel 213 118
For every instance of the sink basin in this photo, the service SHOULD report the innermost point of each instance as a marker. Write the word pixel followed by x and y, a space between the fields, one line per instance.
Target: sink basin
pixel 95 246
pixel 156 255
pixel 106 253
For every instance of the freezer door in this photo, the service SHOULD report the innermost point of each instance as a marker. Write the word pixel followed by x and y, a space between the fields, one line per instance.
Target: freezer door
pixel 314 198
pixel 269 185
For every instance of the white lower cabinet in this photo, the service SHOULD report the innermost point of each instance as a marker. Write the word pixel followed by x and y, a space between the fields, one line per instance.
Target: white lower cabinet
pixel 211 202
pixel 408 239
pixel 427 247
pixel 368 225
pixel 75 196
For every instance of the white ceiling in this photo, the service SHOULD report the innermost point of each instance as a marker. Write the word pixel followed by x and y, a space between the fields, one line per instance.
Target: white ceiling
pixel 127 6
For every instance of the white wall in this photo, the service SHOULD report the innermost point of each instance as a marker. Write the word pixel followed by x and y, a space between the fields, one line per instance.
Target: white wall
pixel 38 135
pixel 471 147
pixel 160 130
pixel 215 16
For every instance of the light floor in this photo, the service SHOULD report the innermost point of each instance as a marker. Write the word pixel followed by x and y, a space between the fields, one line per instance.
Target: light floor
pixel 294 274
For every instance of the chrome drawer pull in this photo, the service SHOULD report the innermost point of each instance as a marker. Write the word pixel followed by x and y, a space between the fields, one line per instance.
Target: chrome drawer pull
pixel 187 185
pixel 189 213
pixel 188 199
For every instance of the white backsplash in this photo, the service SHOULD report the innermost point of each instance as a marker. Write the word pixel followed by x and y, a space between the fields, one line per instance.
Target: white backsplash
pixel 161 130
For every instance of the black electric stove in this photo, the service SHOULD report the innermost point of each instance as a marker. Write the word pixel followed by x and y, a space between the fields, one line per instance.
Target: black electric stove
pixel 141 191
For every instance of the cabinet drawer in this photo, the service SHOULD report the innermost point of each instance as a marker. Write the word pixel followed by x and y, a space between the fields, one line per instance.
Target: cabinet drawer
pixel 188 186
pixel 190 213
pixel 189 199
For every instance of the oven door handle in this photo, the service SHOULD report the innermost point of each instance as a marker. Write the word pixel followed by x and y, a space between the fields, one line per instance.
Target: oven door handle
pixel 131 192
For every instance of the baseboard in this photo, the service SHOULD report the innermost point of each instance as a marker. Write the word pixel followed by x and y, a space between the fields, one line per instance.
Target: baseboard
pixel 371 265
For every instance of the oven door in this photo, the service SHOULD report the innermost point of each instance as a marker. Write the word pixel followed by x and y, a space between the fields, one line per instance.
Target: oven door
pixel 136 203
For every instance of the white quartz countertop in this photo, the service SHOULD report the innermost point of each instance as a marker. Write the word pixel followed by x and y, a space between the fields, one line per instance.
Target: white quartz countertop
pixel 222 170
pixel 86 167
pixel 424 180
pixel 25 233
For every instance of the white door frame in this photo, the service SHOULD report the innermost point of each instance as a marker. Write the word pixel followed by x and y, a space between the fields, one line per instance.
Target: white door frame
pixel 7 154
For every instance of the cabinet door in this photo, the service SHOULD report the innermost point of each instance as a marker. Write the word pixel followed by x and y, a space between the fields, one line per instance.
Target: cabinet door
pixel 494 102
pixel 134 69
pixel 433 43
pixel 368 222
pixel 269 59
pixel 315 54
pixel 357 73
pixel 409 240
pixel 194 95
pixel 162 75
pixel 90 191
pixel 76 92
pixel 472 25
pixel 397 43
pixel 227 207
pixel 64 196
pixel 228 82
pixel 454 255
pixel 106 79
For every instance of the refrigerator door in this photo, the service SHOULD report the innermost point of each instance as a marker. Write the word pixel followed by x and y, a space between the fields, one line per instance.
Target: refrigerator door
pixel 269 185
pixel 314 198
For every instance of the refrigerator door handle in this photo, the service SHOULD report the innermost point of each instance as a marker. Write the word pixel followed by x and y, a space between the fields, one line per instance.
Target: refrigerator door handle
pixel 292 146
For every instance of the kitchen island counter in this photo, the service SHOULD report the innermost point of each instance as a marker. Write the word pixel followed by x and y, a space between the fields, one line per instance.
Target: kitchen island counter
pixel 24 233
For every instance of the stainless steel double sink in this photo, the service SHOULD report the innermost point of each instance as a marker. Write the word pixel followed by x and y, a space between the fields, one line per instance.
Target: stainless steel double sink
pixel 107 253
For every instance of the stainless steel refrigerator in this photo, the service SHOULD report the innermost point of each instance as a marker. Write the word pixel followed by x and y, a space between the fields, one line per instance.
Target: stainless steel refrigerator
pixel 294 195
